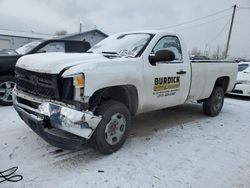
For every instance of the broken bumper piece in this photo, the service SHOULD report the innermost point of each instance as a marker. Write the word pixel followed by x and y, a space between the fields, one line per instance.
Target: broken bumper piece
pixel 59 125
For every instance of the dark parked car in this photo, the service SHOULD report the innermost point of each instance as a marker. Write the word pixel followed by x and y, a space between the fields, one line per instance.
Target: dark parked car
pixel 8 52
pixel 8 62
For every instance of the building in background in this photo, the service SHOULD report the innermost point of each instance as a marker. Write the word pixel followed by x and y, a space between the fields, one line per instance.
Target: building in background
pixel 15 39
pixel 11 40
pixel 92 36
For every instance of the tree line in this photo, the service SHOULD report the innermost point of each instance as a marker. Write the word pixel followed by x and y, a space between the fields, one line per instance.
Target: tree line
pixel 218 53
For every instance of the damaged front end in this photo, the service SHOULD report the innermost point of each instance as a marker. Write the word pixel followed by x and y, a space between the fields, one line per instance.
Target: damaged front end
pixel 59 124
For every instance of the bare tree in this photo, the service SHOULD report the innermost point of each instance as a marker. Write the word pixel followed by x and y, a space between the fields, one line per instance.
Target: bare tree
pixel 223 53
pixel 207 53
pixel 217 53
pixel 196 52
pixel 61 32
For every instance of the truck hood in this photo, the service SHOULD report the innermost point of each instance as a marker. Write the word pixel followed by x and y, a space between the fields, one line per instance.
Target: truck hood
pixel 54 63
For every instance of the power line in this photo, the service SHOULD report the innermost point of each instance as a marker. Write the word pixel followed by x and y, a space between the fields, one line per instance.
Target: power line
pixel 217 35
pixel 191 21
pixel 211 21
pixel 197 19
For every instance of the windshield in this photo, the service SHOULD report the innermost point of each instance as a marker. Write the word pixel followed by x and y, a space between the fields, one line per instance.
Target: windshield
pixel 129 45
pixel 27 47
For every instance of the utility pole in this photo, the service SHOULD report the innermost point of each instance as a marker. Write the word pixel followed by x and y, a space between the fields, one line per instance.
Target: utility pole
pixel 230 31
pixel 80 27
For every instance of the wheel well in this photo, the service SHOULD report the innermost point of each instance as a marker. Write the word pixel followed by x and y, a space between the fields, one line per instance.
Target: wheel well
pixel 223 82
pixel 126 94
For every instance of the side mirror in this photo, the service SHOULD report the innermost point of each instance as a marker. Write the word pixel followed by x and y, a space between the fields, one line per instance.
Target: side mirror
pixel 161 55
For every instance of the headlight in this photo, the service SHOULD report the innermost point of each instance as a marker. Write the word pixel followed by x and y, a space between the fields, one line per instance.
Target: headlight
pixel 79 81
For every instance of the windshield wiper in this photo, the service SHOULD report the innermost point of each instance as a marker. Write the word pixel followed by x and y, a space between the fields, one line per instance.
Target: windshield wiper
pixel 112 53
pixel 117 54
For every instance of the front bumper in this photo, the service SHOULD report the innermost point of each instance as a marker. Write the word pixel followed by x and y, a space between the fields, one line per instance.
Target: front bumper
pixel 60 125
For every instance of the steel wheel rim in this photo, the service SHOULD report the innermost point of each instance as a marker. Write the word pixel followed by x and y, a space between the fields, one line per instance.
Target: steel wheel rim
pixel 6 91
pixel 218 101
pixel 115 129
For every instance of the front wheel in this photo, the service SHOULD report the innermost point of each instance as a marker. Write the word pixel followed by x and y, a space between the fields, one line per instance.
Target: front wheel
pixel 7 83
pixel 213 105
pixel 112 131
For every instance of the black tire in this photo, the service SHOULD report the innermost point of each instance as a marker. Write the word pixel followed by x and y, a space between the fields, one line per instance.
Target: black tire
pixel 3 80
pixel 213 105
pixel 108 110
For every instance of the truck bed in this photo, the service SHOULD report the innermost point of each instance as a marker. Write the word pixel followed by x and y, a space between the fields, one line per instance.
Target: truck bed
pixel 204 75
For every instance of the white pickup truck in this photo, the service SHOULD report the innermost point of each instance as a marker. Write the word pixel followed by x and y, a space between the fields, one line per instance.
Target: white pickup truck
pixel 71 99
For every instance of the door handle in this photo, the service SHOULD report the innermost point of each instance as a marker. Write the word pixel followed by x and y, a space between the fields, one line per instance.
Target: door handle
pixel 181 72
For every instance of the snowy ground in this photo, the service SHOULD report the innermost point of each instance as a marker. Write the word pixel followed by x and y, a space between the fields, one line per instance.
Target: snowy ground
pixel 177 148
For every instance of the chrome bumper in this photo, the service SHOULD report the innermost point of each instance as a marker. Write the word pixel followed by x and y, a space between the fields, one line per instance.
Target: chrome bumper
pixel 60 116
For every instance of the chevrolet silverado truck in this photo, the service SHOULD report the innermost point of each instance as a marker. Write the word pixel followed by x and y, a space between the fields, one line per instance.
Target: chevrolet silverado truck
pixel 71 99
pixel 8 61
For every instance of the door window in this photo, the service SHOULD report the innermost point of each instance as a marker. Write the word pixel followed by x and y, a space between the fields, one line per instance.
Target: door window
pixel 53 47
pixel 171 43
pixel 4 44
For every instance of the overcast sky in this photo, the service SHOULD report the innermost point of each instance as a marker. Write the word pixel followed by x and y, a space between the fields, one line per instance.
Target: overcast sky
pixel 49 16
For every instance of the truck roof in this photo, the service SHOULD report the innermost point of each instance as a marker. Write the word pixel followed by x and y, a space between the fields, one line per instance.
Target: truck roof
pixel 150 32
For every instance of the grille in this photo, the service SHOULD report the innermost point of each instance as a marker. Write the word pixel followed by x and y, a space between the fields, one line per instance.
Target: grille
pixel 39 84
pixel 28 103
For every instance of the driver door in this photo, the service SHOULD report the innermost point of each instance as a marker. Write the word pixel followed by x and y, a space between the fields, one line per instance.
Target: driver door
pixel 167 83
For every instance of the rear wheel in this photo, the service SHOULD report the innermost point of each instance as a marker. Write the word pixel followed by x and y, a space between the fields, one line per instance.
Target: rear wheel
pixel 213 105
pixel 7 84
pixel 112 131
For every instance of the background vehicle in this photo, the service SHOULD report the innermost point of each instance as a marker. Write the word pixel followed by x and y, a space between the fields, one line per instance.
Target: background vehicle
pixel 242 86
pixel 8 62
pixel 7 52
pixel 69 99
